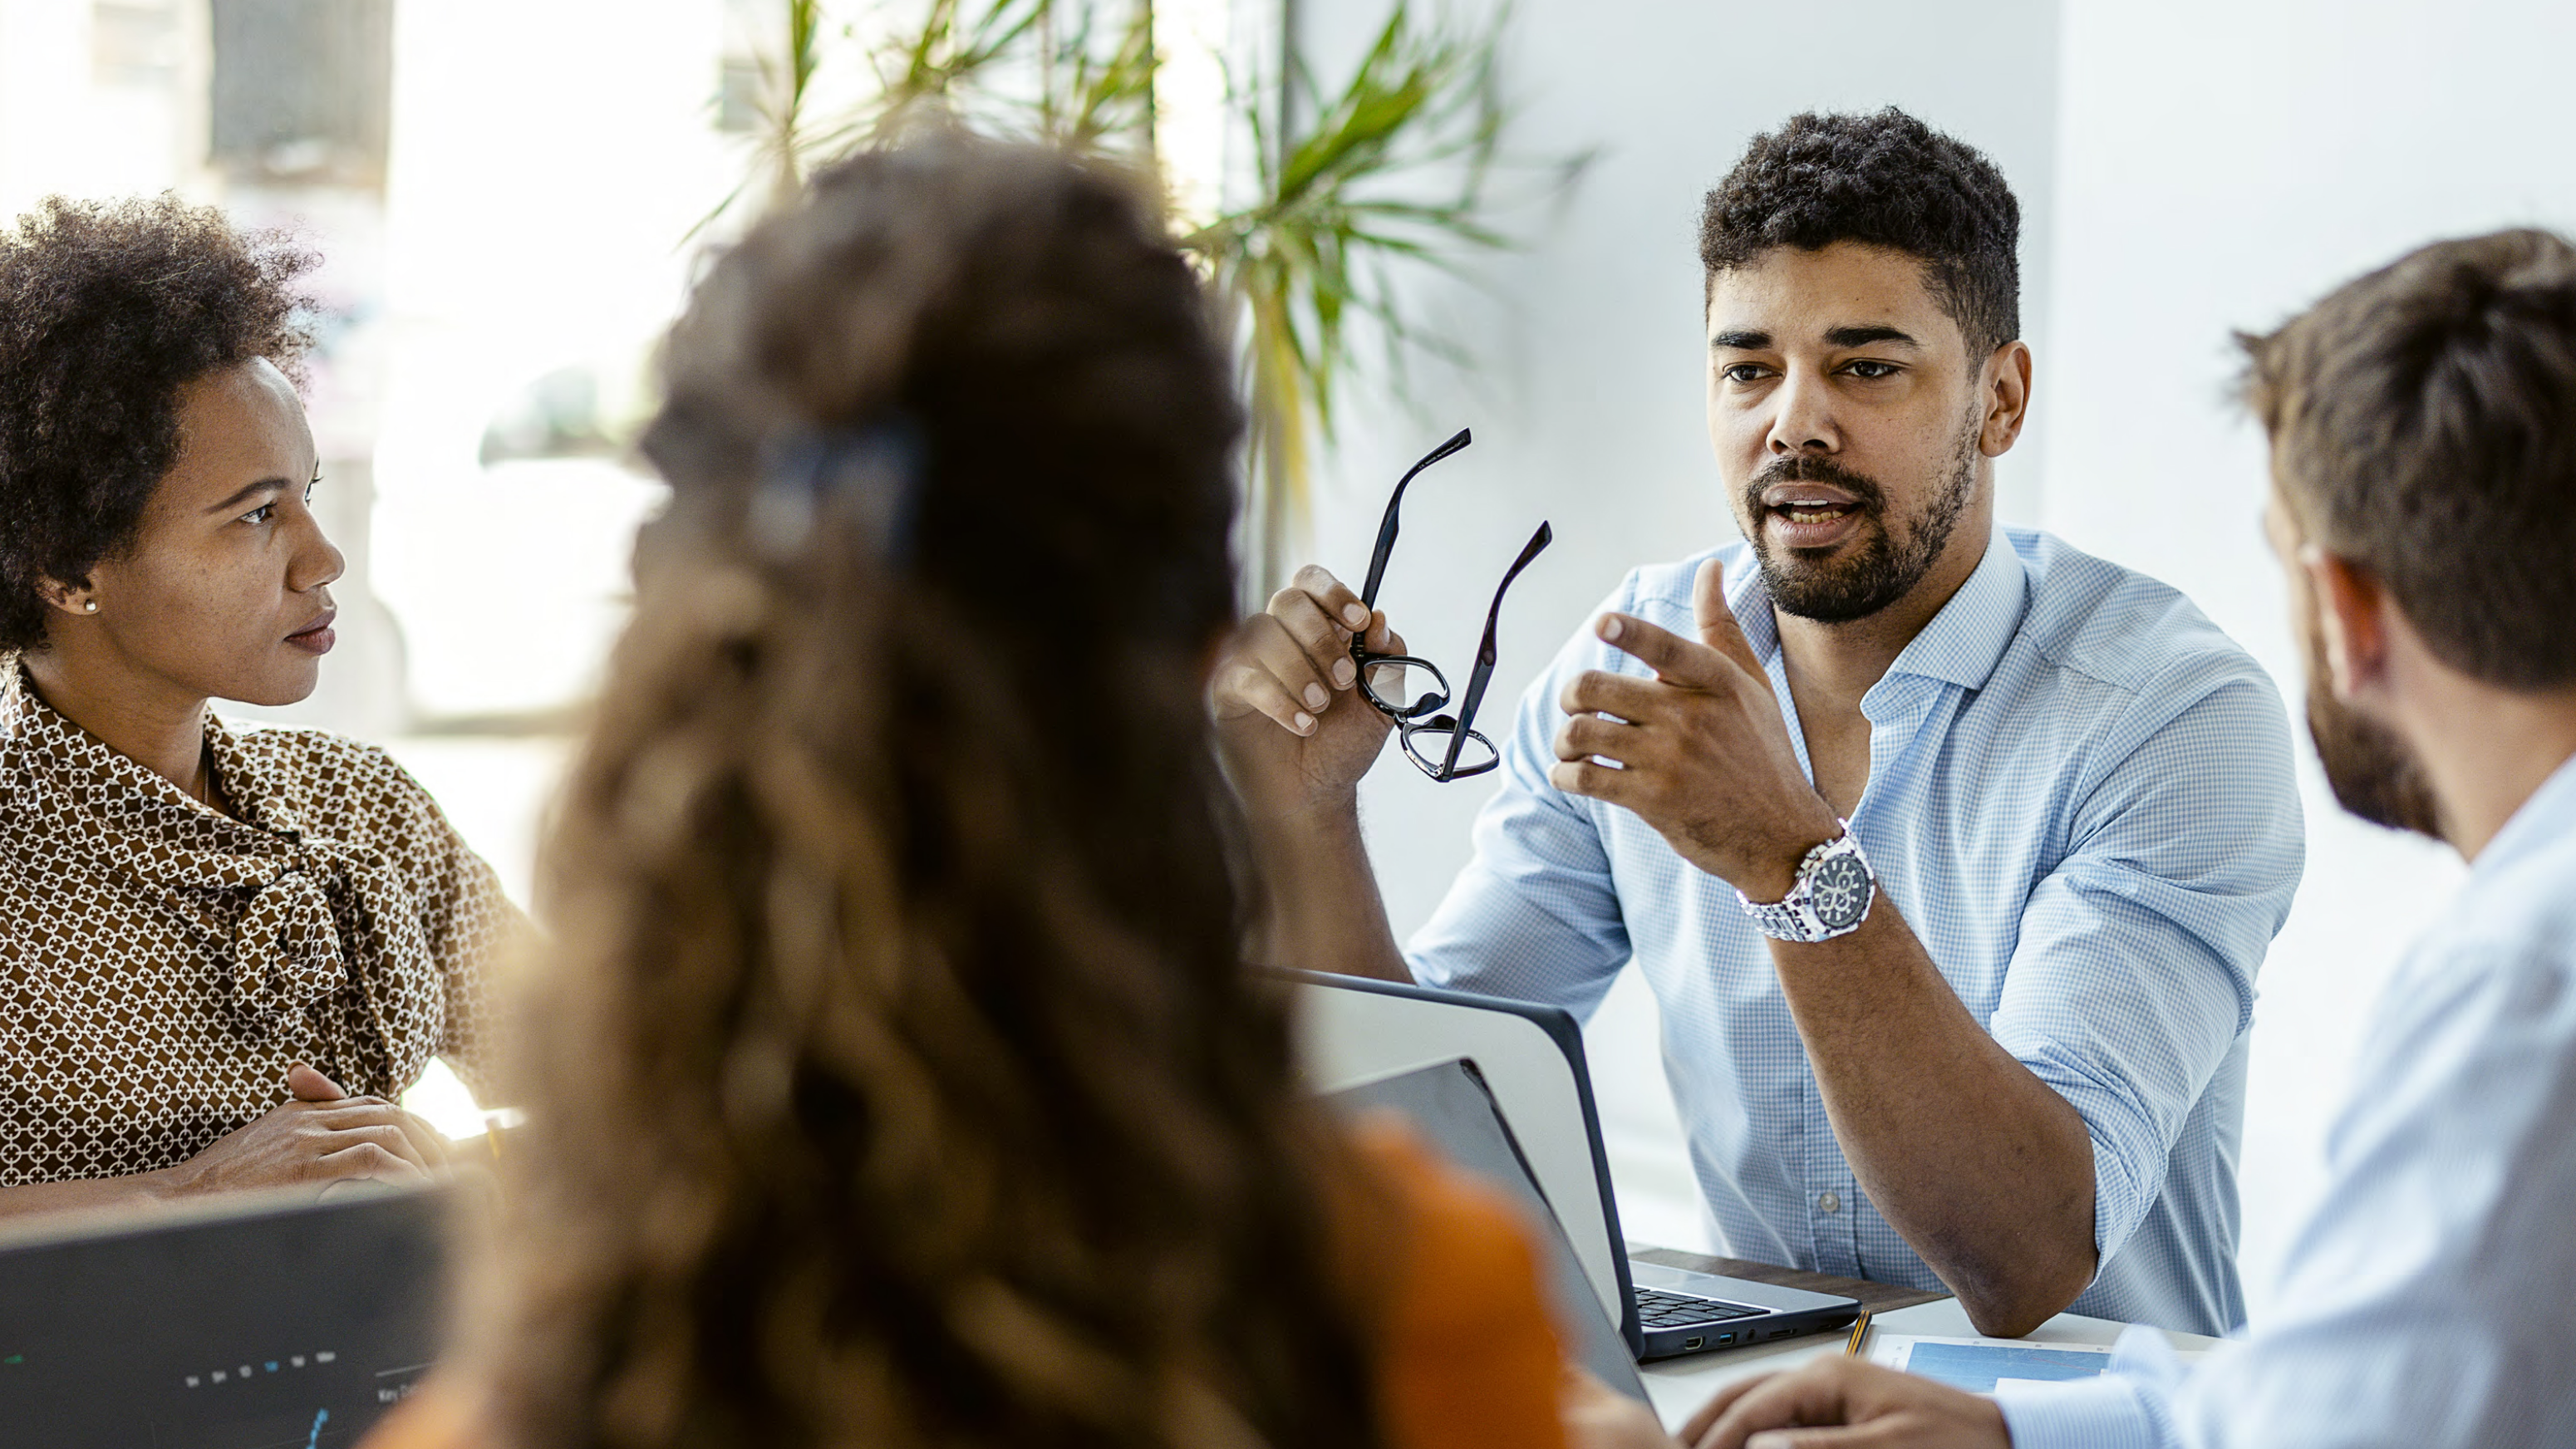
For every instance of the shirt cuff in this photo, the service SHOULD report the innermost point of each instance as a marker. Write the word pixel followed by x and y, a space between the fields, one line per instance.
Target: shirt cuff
pixel 2103 1413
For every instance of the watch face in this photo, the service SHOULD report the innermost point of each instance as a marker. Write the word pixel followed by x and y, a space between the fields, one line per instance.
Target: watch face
pixel 1839 891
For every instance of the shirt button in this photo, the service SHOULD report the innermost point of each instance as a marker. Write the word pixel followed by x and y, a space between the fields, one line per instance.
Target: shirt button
pixel 1829 1203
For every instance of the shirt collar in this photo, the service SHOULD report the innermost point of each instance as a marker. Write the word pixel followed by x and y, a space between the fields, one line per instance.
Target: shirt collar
pixel 1750 599
pixel 49 741
pixel 1961 645
pixel 1963 642
pixel 2547 817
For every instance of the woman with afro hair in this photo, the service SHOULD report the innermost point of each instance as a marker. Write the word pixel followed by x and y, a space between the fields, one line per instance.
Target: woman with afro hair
pixel 223 952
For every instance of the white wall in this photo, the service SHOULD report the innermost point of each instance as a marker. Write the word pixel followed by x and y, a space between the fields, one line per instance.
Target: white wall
pixel 2221 165
pixel 67 127
pixel 1588 409
pixel 549 158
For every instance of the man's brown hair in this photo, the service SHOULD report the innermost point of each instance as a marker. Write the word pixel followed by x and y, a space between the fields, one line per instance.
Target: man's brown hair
pixel 2423 424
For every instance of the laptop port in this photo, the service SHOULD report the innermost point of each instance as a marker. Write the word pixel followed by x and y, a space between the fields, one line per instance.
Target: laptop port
pixel 1724 1339
pixel 1691 1343
pixel 1778 1333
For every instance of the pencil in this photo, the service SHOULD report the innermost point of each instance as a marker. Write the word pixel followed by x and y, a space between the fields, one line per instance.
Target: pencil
pixel 1860 1330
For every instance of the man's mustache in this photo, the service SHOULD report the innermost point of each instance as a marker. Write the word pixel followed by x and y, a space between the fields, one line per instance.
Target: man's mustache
pixel 1808 468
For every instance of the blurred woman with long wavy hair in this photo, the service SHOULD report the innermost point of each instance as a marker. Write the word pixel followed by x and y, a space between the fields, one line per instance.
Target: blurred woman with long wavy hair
pixel 899 1080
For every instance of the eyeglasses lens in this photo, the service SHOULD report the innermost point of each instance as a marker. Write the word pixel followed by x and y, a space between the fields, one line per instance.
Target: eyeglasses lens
pixel 1404 687
pixel 1428 747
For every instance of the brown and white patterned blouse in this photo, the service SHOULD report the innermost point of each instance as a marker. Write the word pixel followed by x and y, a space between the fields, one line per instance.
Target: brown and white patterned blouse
pixel 162 963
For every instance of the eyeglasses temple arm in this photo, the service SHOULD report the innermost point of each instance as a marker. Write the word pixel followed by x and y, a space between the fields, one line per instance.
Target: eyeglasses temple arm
pixel 1386 528
pixel 1485 651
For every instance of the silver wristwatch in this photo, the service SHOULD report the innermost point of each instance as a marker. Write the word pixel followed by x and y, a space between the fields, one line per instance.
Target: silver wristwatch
pixel 1831 898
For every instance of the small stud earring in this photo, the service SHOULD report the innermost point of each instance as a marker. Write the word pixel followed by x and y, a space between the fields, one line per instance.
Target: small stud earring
pixel 90 607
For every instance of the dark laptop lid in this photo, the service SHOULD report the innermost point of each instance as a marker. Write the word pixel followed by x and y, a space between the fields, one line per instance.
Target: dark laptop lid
pixel 254 1322
pixel 1451 1107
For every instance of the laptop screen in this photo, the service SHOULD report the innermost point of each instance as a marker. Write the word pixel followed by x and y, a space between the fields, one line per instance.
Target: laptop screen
pixel 1352 1031
pixel 277 1326
pixel 1451 1108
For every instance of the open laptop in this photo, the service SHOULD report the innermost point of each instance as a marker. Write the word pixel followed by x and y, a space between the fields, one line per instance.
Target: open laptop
pixel 255 1322
pixel 1448 1104
pixel 1354 1030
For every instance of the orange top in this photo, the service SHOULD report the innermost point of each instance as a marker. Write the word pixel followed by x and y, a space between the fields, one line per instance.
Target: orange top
pixel 1467 1360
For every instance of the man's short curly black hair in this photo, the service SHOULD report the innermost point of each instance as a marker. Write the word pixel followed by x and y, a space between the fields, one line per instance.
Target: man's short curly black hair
pixel 107 309
pixel 1888 180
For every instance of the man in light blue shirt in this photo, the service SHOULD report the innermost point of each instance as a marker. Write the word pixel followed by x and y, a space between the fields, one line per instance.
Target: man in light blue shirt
pixel 1990 1033
pixel 2423 424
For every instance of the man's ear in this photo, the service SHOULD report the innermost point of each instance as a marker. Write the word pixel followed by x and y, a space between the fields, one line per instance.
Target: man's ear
pixel 2352 621
pixel 2006 381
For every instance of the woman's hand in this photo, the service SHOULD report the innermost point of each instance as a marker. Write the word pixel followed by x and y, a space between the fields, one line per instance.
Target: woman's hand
pixel 1598 1416
pixel 323 1135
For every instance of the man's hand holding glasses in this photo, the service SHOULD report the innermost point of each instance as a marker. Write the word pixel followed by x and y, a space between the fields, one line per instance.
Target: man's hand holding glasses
pixel 1297 737
pixel 1313 685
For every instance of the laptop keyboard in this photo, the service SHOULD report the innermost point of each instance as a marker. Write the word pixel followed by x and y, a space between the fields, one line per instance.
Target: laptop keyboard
pixel 1659 1309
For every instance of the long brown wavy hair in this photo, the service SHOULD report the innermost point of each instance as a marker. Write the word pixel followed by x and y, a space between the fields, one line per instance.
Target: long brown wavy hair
pixel 898 1080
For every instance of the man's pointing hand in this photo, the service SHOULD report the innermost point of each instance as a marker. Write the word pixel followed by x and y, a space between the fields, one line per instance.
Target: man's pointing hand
pixel 1700 752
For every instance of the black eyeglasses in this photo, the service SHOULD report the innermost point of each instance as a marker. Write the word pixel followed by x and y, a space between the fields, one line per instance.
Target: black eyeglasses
pixel 1404 688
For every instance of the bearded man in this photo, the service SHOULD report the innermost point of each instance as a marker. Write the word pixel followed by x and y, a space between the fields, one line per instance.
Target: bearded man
pixel 1949 852
pixel 2424 513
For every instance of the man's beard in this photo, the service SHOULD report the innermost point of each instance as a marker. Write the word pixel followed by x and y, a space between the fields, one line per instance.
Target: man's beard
pixel 2371 771
pixel 1882 569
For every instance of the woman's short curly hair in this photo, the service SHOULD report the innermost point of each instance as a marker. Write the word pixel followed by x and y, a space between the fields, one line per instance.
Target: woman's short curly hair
pixel 1884 179
pixel 107 309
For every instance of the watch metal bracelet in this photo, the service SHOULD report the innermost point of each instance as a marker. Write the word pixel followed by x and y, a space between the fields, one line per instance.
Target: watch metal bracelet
pixel 1831 896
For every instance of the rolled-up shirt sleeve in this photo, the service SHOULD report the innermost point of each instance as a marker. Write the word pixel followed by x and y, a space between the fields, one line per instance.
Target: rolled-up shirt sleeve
pixel 2133 977
pixel 1535 916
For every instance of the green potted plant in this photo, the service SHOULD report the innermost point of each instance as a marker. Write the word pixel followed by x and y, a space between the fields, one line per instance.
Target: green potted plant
pixel 1395 167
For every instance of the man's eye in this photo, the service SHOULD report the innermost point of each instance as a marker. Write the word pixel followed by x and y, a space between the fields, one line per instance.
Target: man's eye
pixel 1742 372
pixel 1871 370
pixel 259 514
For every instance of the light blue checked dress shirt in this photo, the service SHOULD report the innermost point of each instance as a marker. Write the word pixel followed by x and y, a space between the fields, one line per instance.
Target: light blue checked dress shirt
pixel 2080 796
pixel 2431 1298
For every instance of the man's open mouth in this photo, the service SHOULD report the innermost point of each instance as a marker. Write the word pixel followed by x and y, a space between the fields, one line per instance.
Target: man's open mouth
pixel 1805 514
pixel 1815 510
